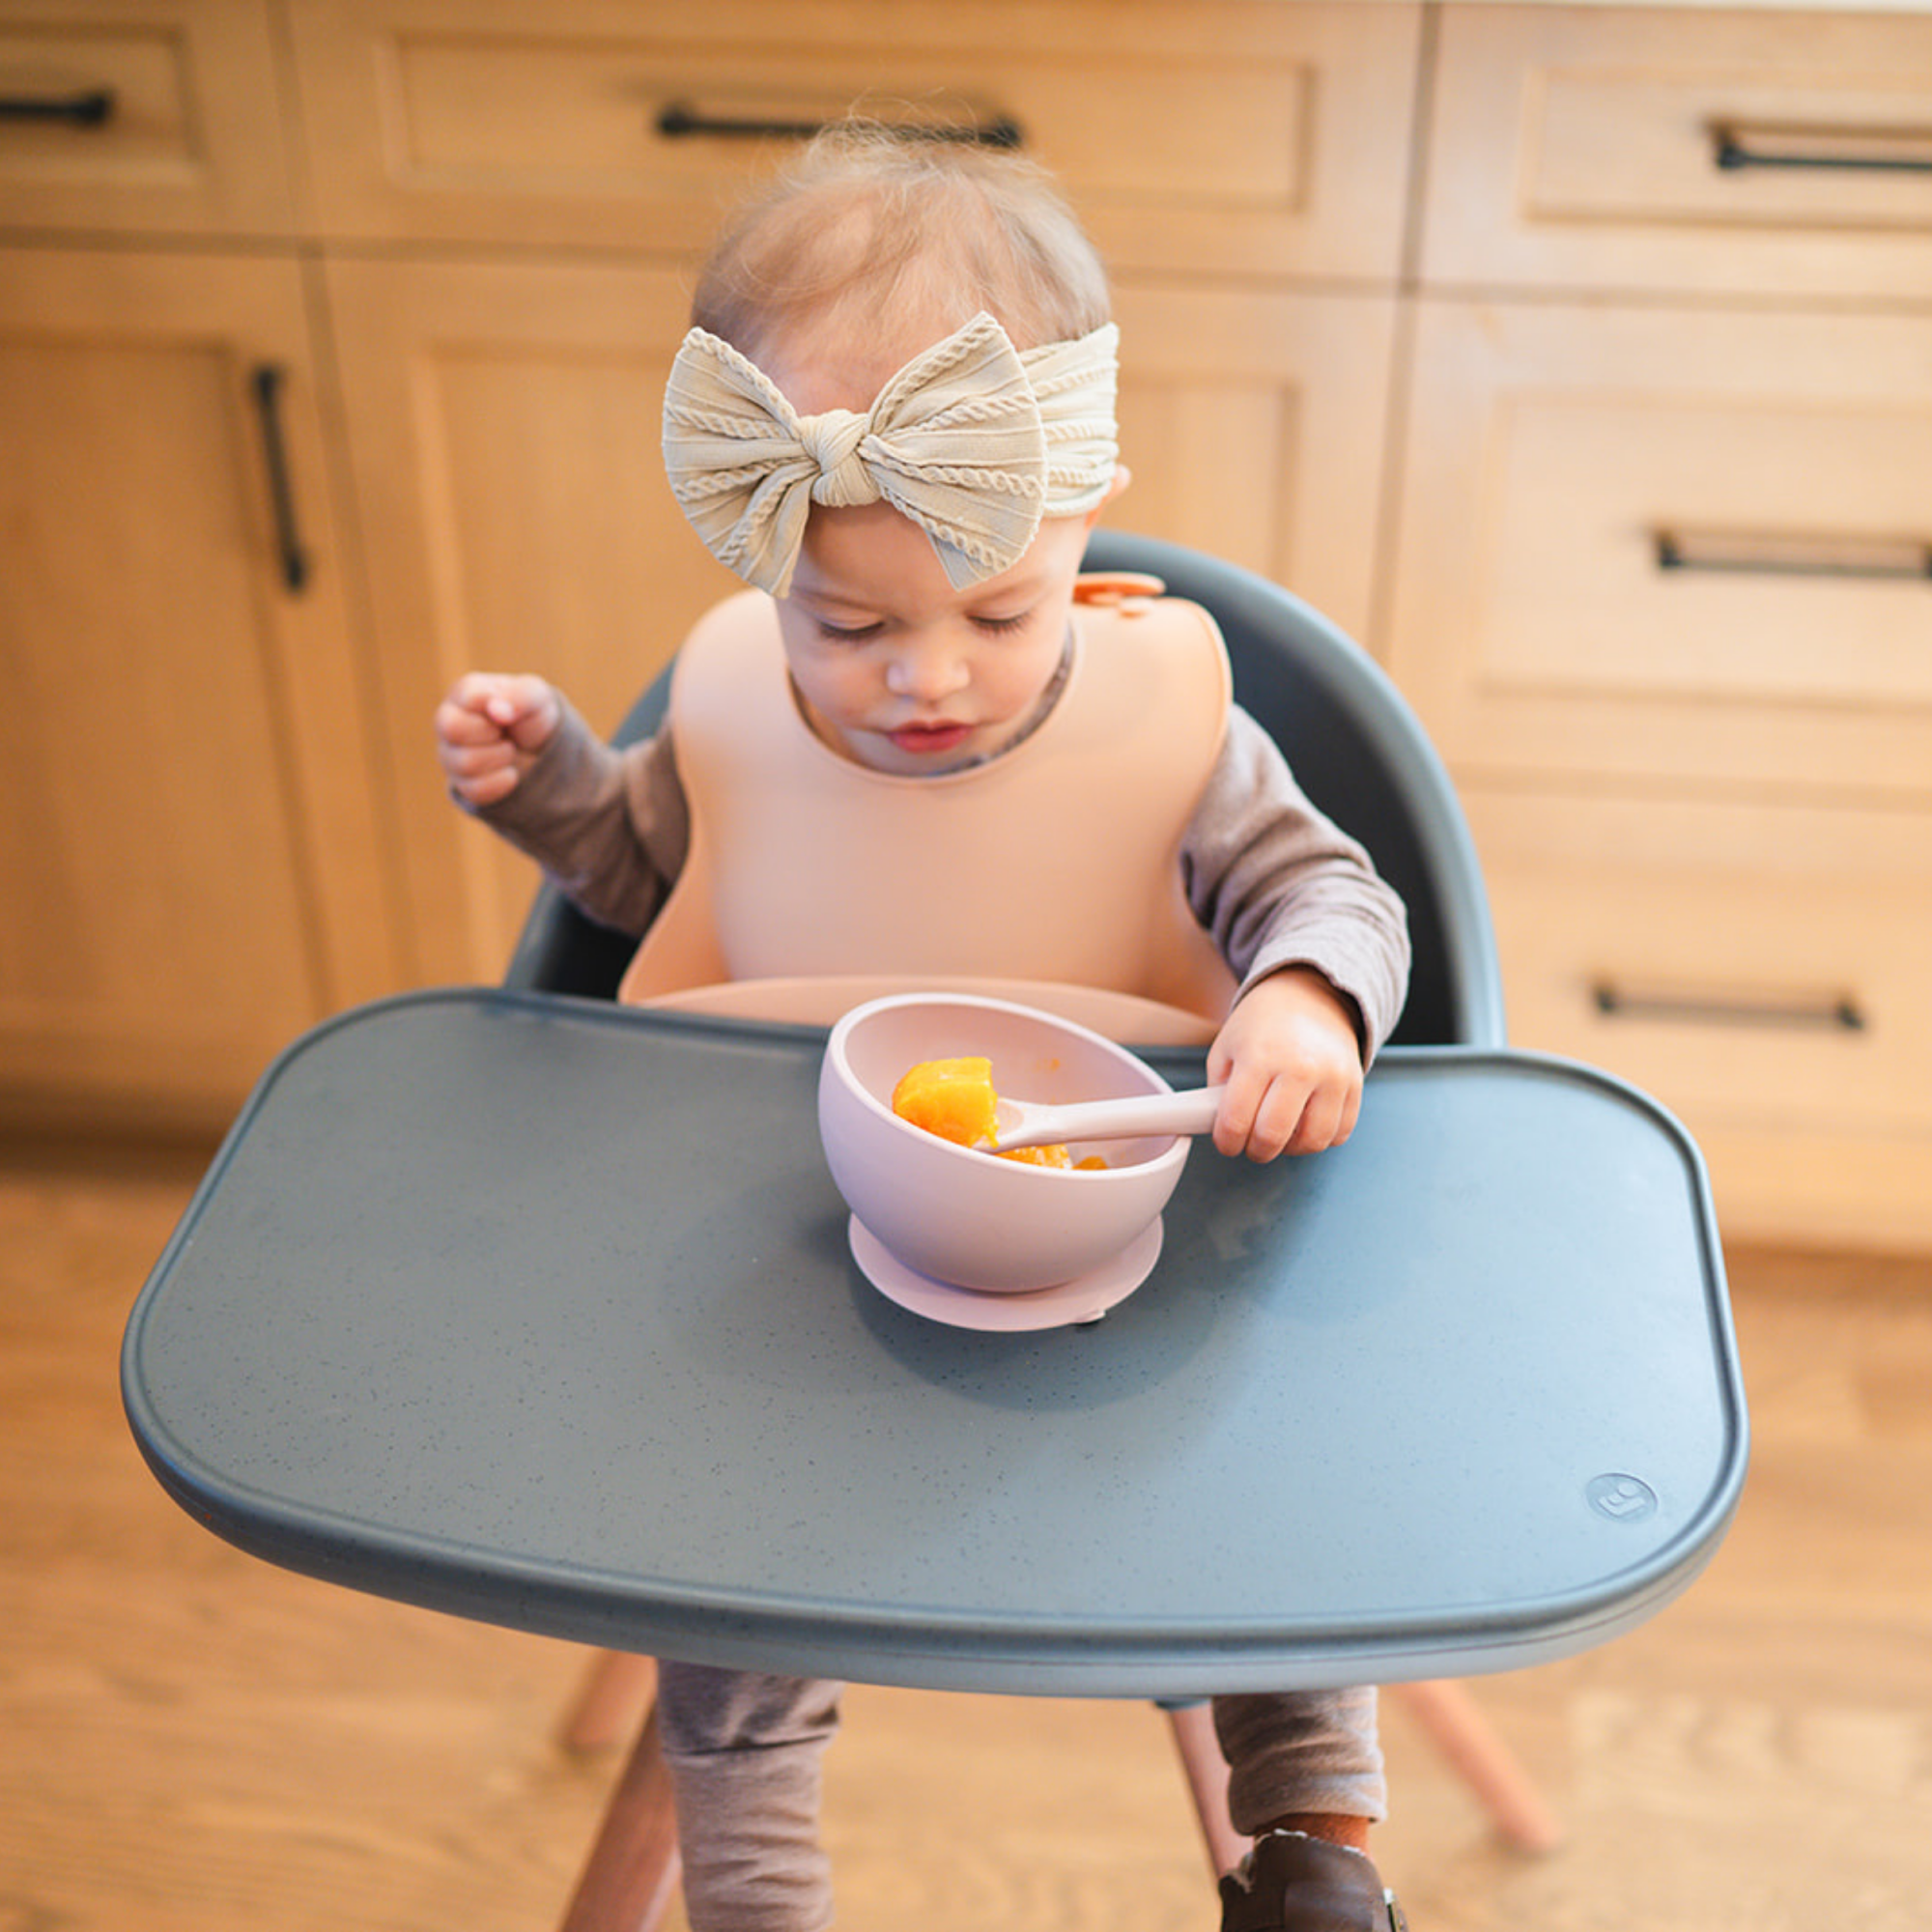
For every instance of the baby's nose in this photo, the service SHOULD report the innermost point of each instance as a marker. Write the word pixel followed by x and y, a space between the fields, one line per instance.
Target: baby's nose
pixel 927 671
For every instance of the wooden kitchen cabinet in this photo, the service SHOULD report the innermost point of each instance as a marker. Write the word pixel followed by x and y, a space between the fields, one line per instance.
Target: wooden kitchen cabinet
pixel 190 853
pixel 1663 584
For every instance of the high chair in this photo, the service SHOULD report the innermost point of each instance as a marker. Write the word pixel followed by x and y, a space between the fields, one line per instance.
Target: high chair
pixel 1362 757
pixel 457 1320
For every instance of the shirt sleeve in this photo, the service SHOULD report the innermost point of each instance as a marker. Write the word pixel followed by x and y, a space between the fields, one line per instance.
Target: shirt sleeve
pixel 1277 884
pixel 608 826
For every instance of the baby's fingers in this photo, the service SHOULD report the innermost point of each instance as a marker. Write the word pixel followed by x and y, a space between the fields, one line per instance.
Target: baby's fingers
pixel 489 704
pixel 459 723
pixel 482 772
pixel 1327 1117
pixel 1271 1126
pixel 488 728
pixel 486 788
pixel 1287 1116
pixel 526 708
pixel 1236 1123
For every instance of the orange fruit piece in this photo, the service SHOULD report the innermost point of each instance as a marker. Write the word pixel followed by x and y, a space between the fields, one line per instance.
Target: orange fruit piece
pixel 1051 1156
pixel 952 1098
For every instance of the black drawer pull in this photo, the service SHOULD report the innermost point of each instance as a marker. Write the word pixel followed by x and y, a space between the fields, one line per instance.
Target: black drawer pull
pixel 88 109
pixel 1882 559
pixel 1834 1015
pixel 679 121
pixel 265 385
pixel 1891 151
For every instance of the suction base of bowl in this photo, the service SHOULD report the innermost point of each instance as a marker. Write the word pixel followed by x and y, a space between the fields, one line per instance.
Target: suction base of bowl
pixel 1066 1304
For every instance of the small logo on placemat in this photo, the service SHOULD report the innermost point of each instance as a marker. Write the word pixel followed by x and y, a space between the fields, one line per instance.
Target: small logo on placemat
pixel 1622 1498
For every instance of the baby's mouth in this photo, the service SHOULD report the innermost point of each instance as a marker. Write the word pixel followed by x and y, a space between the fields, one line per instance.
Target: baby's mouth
pixel 928 740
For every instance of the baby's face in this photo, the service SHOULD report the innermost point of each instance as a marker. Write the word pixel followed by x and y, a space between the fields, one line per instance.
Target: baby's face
pixel 901 673
pixel 897 669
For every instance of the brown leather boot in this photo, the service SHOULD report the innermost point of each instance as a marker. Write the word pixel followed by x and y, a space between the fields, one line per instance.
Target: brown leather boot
pixel 1292 1882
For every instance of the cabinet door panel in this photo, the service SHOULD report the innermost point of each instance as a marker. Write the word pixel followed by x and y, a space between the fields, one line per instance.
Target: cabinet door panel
pixel 504 436
pixel 1253 424
pixel 171 878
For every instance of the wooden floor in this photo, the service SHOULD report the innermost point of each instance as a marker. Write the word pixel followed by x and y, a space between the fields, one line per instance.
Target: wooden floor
pixel 192 1741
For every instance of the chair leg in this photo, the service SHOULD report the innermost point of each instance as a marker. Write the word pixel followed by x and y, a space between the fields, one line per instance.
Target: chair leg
pixel 632 1871
pixel 1207 1773
pixel 611 1704
pixel 1459 1731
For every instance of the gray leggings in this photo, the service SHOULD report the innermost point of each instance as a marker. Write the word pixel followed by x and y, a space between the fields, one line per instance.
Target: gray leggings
pixel 745 1754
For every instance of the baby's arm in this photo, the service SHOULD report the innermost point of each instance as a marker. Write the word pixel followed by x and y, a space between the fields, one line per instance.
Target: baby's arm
pixel 1318 940
pixel 489 731
pixel 1291 1055
pixel 608 826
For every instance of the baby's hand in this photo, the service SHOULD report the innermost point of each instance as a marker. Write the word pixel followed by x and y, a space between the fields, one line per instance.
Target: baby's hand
pixel 489 731
pixel 1293 1064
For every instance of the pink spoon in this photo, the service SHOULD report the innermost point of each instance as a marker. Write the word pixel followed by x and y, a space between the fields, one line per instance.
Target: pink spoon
pixel 1023 1123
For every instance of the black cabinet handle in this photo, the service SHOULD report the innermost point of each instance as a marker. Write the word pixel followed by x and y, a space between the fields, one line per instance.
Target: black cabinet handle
pixel 1853 149
pixel 87 109
pixel 1891 561
pixel 265 385
pixel 679 121
pixel 1831 1015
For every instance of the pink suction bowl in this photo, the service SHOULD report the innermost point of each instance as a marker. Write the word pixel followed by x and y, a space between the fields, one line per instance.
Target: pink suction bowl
pixel 965 1218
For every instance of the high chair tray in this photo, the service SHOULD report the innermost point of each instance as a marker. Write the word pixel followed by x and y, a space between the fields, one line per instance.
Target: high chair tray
pixel 544 1312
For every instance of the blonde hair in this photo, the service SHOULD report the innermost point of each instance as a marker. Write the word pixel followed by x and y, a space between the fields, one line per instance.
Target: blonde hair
pixel 867 224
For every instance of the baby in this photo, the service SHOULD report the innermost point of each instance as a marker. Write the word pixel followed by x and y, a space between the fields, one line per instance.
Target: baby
pixel 894 418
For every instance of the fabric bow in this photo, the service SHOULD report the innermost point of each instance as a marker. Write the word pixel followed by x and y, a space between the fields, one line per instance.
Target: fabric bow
pixel 973 439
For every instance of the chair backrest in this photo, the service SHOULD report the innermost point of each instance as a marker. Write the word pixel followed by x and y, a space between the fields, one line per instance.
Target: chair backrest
pixel 1353 743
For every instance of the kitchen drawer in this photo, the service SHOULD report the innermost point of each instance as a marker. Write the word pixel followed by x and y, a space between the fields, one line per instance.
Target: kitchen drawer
pixel 1675 149
pixel 1762 970
pixel 1693 545
pixel 1223 135
pixel 152 116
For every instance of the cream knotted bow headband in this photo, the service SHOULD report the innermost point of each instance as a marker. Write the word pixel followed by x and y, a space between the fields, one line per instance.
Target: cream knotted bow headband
pixel 973 440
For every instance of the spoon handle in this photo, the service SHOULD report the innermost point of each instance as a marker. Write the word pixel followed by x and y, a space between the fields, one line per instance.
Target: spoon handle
pixel 1191 1112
